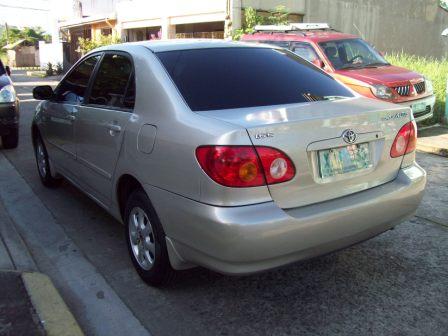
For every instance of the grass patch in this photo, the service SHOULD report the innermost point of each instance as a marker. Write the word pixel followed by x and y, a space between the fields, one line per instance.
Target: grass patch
pixel 435 69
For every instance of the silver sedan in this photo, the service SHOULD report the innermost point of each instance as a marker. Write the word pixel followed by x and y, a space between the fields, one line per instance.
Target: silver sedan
pixel 239 158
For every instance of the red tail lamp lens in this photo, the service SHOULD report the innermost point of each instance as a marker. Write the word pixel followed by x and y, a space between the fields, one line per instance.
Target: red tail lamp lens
pixel 405 141
pixel 245 166
pixel 231 166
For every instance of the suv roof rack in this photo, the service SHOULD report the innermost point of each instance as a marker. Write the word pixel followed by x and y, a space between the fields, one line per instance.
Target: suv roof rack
pixel 293 27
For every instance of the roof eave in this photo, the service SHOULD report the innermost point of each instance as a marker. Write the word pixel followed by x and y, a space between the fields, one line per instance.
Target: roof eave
pixel 86 21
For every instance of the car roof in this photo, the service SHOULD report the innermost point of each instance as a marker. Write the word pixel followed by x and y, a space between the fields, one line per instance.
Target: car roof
pixel 185 44
pixel 314 36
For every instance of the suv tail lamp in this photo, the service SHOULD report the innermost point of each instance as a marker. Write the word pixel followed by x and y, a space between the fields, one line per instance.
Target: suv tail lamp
pixel 405 142
pixel 245 166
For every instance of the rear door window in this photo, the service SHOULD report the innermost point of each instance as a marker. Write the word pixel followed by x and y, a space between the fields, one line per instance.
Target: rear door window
pixel 114 83
pixel 281 44
pixel 304 50
pixel 226 78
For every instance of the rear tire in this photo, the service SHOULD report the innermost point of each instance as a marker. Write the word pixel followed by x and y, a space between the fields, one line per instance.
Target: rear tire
pixel 146 242
pixel 11 140
pixel 43 165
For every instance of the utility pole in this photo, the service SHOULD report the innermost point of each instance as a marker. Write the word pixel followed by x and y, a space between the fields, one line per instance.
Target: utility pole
pixel 232 18
pixel 7 32
pixel 228 20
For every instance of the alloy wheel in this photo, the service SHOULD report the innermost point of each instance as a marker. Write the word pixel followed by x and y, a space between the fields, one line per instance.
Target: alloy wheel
pixel 141 238
pixel 41 159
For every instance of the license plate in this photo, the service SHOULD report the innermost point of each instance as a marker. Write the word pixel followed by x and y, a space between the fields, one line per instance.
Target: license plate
pixel 419 107
pixel 343 160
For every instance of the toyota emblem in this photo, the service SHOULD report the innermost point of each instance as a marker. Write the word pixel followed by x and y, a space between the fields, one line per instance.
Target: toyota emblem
pixel 349 136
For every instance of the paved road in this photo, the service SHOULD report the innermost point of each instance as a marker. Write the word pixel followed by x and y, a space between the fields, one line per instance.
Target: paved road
pixel 395 284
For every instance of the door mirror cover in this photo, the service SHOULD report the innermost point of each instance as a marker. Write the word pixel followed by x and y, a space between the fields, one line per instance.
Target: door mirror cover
pixel 43 92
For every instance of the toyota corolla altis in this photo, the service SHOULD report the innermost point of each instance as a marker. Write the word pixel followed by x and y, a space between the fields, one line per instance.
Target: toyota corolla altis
pixel 236 157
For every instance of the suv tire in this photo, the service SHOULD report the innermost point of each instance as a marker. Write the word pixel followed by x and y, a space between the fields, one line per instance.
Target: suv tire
pixel 11 140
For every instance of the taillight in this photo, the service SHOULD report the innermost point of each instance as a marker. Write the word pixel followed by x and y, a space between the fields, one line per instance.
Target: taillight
pixel 405 141
pixel 276 165
pixel 245 166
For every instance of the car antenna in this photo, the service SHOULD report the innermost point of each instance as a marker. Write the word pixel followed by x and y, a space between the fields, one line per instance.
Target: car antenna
pixel 359 31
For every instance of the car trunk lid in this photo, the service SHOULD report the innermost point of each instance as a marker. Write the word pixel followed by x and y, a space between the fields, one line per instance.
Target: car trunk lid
pixel 308 132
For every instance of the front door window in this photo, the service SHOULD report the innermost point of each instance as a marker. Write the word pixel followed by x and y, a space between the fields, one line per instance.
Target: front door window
pixel 352 54
pixel 73 88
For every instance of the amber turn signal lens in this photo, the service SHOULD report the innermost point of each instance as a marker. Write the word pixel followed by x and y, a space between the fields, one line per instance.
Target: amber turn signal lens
pixel 248 172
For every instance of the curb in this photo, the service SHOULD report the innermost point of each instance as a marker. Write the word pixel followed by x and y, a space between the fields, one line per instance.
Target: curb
pixel 432 150
pixel 95 304
pixel 54 314
pixel 36 73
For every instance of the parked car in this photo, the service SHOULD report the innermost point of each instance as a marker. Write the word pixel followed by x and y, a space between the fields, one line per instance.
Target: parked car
pixel 9 110
pixel 354 62
pixel 209 161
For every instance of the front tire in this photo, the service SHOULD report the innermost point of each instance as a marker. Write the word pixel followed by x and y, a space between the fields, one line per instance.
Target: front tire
pixel 11 140
pixel 43 165
pixel 146 242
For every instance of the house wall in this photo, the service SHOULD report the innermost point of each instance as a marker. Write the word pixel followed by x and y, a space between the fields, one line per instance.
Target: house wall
pixel 141 34
pixel 170 13
pixel 95 7
pixel 11 56
pixel 97 29
pixel 50 53
pixel 414 26
pixel 293 6
pixel 167 14
pixel 23 56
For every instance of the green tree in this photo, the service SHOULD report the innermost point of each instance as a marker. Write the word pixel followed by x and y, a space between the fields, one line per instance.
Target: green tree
pixel 86 44
pixel 30 34
pixel 278 16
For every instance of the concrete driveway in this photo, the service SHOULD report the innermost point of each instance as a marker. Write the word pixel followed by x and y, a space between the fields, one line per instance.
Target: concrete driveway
pixel 395 284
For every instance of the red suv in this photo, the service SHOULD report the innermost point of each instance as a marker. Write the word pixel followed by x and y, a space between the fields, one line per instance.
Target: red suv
pixel 354 62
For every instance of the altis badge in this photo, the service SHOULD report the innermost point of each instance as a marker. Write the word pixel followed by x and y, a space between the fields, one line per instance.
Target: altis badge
pixel 259 136
pixel 395 116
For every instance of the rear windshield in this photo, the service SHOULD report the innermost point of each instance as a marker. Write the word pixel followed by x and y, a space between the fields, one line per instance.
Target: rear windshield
pixel 226 78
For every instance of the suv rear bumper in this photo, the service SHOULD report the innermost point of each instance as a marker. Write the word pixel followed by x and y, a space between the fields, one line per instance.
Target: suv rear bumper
pixel 248 239
pixel 428 113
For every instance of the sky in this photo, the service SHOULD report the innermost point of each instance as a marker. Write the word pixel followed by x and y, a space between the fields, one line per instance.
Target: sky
pixel 33 12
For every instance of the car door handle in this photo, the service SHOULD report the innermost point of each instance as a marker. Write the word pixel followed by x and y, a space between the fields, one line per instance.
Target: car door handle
pixel 71 117
pixel 114 128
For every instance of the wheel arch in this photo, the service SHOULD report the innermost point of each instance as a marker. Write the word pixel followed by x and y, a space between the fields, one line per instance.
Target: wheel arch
pixel 34 133
pixel 126 184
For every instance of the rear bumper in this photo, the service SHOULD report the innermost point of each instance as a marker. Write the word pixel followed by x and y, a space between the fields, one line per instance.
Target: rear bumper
pixel 9 118
pixel 248 239
pixel 428 113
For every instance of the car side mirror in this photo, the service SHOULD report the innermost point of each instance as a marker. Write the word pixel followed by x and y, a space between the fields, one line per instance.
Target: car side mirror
pixel 319 63
pixel 8 70
pixel 43 92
